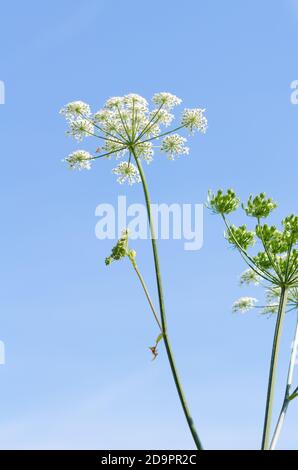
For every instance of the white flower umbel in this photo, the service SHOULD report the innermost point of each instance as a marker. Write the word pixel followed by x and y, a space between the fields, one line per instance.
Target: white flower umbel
pixel 194 119
pixel 249 276
pixel 128 126
pixel 162 116
pixel 244 304
pixel 173 145
pixel 79 159
pixel 80 128
pixel 270 309
pixel 145 151
pixel 76 109
pixel 272 295
pixel 137 102
pixel 127 172
pixel 165 99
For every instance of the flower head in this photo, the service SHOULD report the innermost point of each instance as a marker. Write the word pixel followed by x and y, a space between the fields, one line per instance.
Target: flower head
pixel 249 276
pixel 120 250
pixel 173 145
pixel 259 206
pixel 145 151
pixel 80 128
pixel 135 101
pixel 244 304
pixel 194 119
pixel 240 237
pixel 165 99
pixel 221 203
pixel 162 116
pixel 270 309
pixel 114 102
pixel 79 159
pixel 75 109
pixel 127 126
pixel 127 172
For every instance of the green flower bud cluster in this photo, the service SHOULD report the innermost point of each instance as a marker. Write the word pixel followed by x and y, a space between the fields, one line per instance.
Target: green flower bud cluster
pixel 259 206
pixel 240 236
pixel 221 203
pixel 266 232
pixel 275 241
pixel 262 261
pixel 120 250
pixel 290 225
pixel 278 261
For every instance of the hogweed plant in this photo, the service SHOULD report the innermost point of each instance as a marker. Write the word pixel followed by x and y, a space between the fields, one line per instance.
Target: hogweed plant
pixel 270 308
pixel 130 131
pixel 274 261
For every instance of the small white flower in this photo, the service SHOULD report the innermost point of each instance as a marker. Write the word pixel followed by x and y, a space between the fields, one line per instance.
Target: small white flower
pixel 115 102
pixel 80 128
pixel 249 276
pixel 127 172
pixel 168 100
pixel 270 309
pixel 162 117
pixel 273 294
pixel 76 109
pixel 194 119
pixel 80 159
pixel 144 150
pixel 103 115
pixel 244 304
pixel 118 149
pixel 173 145
pixel 134 101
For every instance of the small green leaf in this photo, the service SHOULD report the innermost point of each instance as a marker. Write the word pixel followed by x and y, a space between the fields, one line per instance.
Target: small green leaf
pixel 291 397
pixel 159 338
pixel 153 349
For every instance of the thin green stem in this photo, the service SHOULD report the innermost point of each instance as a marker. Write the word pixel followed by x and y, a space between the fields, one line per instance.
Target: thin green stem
pixel 149 124
pixel 279 424
pixel 294 395
pixel 123 124
pixel 103 130
pixel 249 261
pixel 162 309
pixel 160 135
pixel 273 367
pixel 141 279
pixel 267 251
pixel 287 397
pixel 108 153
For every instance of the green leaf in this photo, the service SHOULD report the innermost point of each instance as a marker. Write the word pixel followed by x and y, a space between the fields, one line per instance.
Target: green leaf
pixel 291 397
pixel 153 349
pixel 159 338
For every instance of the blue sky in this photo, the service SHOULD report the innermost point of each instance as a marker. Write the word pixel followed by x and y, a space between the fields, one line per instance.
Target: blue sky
pixel 78 373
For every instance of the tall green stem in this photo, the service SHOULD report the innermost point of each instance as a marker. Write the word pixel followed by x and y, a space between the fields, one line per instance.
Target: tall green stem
pixel 143 284
pixel 287 397
pixel 163 312
pixel 273 367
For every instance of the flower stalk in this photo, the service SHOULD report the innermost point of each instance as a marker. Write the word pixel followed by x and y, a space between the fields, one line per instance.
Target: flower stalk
pixel 273 367
pixel 288 396
pixel 173 367
pixel 129 128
